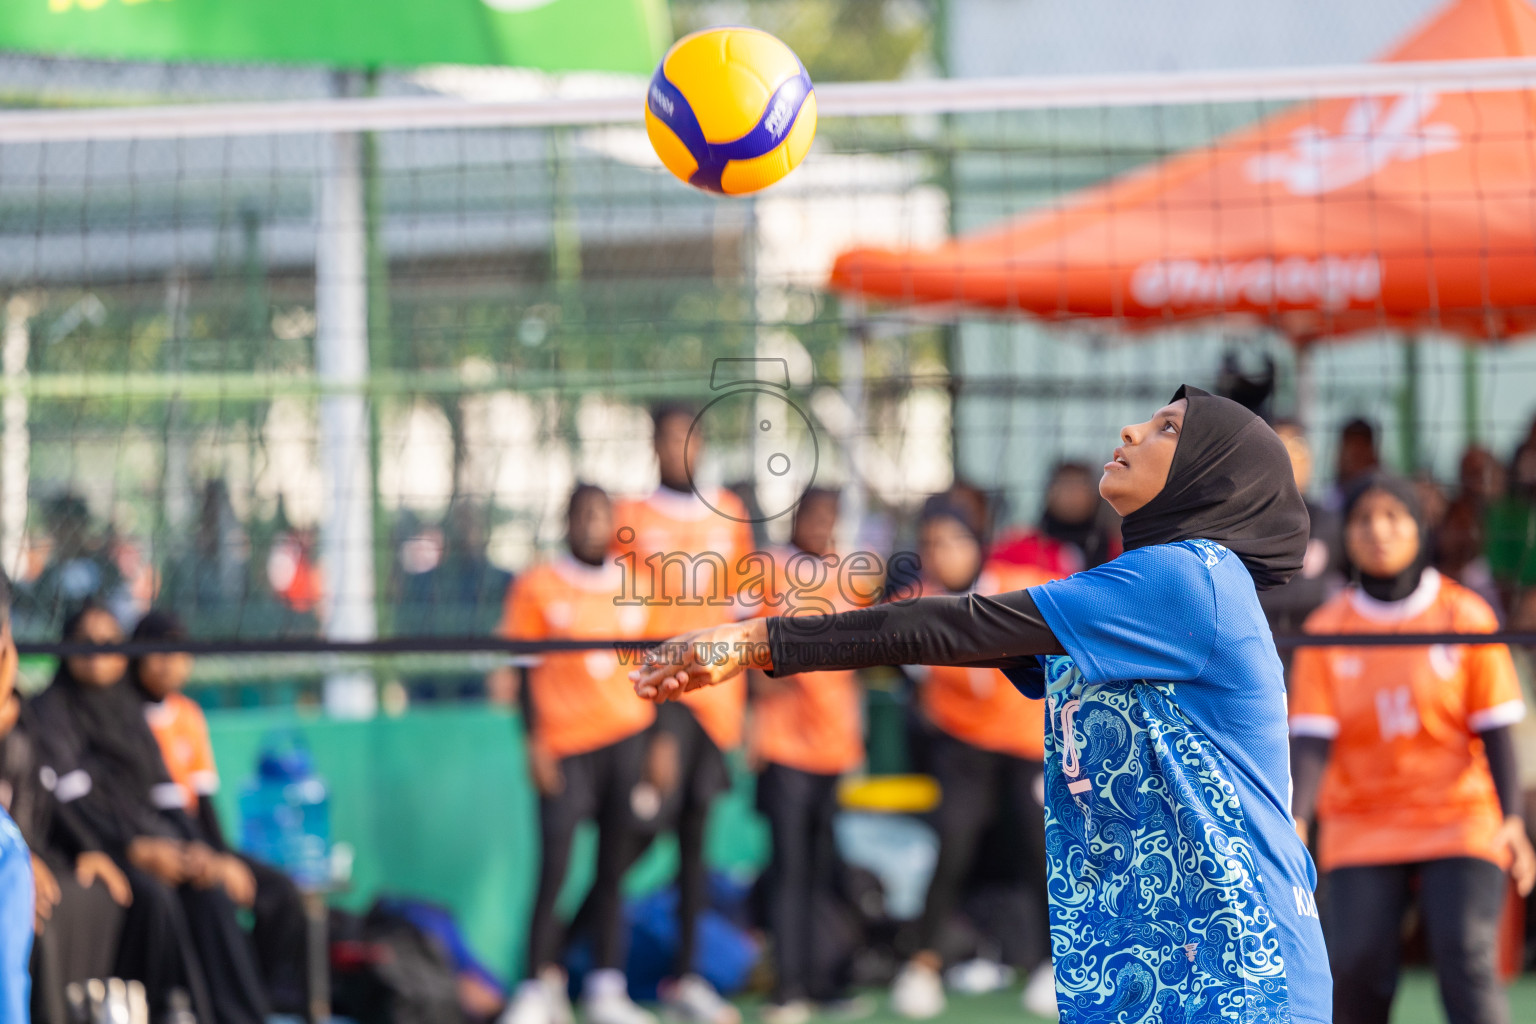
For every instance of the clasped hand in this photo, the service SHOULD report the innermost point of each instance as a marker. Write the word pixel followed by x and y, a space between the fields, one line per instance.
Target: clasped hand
pixel 705 657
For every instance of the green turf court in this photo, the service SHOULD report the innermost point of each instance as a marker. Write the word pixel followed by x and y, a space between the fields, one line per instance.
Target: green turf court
pixel 1417 1003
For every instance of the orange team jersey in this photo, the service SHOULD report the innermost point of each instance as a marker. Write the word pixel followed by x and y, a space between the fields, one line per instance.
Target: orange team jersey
pixel 182 732
pixel 697 554
pixel 581 700
pixel 980 706
pixel 1408 779
pixel 811 722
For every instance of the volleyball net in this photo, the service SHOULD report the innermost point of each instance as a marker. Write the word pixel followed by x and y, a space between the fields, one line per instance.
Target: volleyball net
pixel 321 375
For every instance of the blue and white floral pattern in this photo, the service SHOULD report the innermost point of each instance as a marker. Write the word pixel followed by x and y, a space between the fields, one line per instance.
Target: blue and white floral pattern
pixel 1158 913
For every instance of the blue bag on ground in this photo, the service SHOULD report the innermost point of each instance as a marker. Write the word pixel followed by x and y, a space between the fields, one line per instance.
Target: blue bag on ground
pixel 438 923
pixel 725 953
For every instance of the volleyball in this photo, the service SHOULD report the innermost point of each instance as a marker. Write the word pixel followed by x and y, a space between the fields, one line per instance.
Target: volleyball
pixel 730 110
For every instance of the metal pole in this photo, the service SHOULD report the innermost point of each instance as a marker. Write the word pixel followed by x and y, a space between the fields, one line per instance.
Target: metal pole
pixel 855 499
pixel 1408 406
pixel 16 447
pixel 1306 390
pixel 1471 399
pixel 176 482
pixel 341 358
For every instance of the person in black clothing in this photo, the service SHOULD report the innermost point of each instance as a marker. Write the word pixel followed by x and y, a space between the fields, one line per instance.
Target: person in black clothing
pixel 75 919
pixel 1321 574
pixel 78 916
pixel 105 772
pixel 280 933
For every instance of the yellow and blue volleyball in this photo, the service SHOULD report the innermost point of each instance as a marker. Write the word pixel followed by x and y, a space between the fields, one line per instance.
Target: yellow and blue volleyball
pixel 730 110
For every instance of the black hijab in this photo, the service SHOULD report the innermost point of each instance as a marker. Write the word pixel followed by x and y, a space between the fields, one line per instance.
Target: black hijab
pixel 156 625
pixel 1402 585
pixel 110 720
pixel 1230 482
pixel 942 506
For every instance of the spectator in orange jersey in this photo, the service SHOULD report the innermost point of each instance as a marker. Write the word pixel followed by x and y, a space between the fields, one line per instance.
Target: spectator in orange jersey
pixel 806 731
pixel 683 548
pixel 280 932
pixel 987 750
pixel 1419 778
pixel 586 748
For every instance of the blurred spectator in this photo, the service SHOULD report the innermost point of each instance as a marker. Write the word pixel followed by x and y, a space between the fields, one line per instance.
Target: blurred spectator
pixel 1320 577
pixel 1522 619
pixel 977 506
pixel 586 744
pixel 984 743
pixel 1432 500
pixel 447 584
pixel 806 731
pixel 73 911
pixel 1481 477
pixel 1458 551
pixel 1413 748
pixel 77 923
pixel 1255 392
pixel 80 566
pixel 686 760
pixel 1357 457
pixel 209 582
pixel 293 572
pixel 182 931
pixel 1511 523
pixel 1077 529
pixel 280 930
pixel 25 901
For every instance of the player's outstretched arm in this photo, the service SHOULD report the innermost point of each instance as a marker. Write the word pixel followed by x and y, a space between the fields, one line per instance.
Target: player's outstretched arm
pixel 999 632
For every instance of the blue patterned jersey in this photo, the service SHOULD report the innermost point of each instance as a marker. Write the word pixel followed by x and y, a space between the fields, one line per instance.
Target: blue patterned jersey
pixel 1179 890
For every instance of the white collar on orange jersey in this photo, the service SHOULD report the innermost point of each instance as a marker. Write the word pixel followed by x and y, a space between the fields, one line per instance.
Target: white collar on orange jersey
pixel 577 573
pixel 678 504
pixel 1415 604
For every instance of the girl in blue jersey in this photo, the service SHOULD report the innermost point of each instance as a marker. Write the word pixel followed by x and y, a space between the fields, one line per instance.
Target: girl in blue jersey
pixel 1179 888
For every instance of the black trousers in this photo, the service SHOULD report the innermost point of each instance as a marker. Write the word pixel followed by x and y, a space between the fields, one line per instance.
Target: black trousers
pixel 281 939
pixel 79 943
pixel 703 776
pixel 799 807
pixel 598 786
pixel 981 789
pixel 189 938
pixel 1459 899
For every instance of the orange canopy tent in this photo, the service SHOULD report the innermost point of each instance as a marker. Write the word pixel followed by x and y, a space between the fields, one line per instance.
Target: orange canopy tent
pixel 1414 211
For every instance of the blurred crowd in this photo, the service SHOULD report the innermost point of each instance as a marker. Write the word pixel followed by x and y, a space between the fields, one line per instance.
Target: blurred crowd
pixel 116 864
pixel 124 832
pixel 1457 561
pixel 261 576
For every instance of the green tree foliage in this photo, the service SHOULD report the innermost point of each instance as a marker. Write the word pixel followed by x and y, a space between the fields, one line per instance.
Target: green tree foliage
pixel 838 40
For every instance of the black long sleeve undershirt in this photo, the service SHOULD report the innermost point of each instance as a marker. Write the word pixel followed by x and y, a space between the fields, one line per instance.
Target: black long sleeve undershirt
pixel 1005 631
pixel 1504 766
pixel 1309 759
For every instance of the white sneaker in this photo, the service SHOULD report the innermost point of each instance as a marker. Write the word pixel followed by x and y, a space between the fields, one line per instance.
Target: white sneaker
pixel 529 1005
pixel 918 992
pixel 796 1011
pixel 692 1000
pixel 1040 993
pixel 557 995
pixel 605 1000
